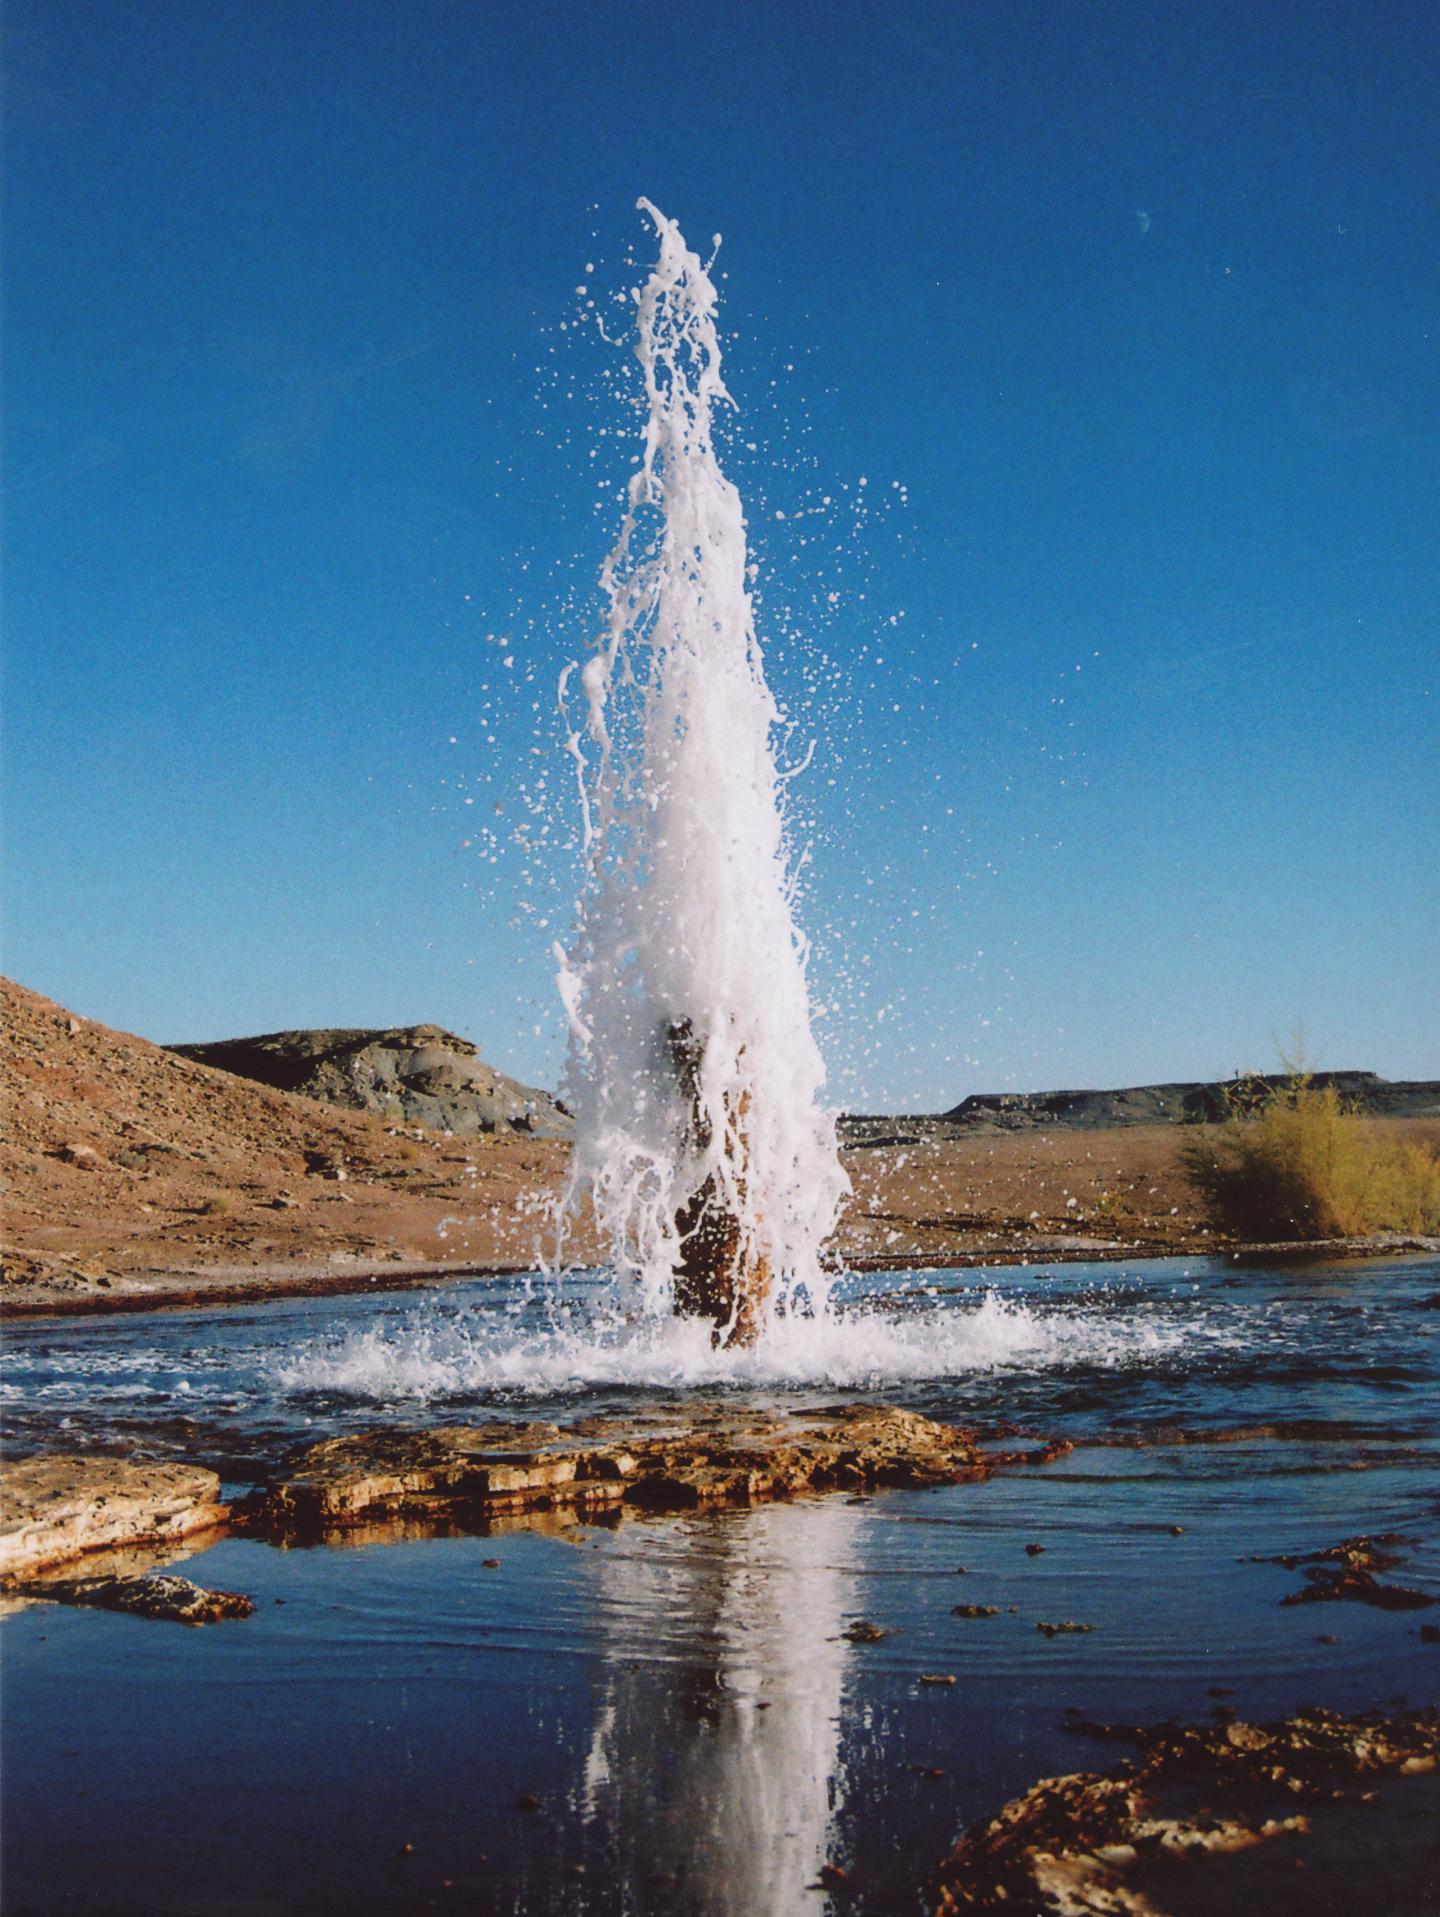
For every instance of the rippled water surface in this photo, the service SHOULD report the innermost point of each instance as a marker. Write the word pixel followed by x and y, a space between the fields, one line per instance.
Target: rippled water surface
pixel 678 1694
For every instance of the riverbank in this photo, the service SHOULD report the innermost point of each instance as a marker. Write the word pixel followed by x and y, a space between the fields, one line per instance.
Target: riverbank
pixel 42 1291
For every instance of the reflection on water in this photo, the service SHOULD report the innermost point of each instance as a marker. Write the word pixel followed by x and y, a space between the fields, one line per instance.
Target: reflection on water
pixel 414 1693
pixel 722 1777
pixel 676 1694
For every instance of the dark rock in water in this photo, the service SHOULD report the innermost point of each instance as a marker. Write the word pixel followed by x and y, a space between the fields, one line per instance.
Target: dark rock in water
pixel 1379 1553
pixel 975 1610
pixel 158 1594
pixel 1240 1804
pixel 864 1631
pixel 1067 1628
pixel 1358 1587
pixel 1346 1571
pixel 415 1075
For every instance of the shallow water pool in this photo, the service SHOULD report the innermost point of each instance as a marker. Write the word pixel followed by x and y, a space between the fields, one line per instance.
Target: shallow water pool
pixel 677 1695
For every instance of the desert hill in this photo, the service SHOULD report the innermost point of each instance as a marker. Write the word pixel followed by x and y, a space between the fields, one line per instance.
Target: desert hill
pixel 417 1075
pixel 121 1159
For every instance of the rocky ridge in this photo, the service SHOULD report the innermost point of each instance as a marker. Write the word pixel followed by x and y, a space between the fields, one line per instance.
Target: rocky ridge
pixel 1183 1102
pixel 413 1075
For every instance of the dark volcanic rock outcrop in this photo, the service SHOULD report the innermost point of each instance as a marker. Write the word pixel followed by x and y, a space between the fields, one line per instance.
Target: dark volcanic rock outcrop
pixel 415 1075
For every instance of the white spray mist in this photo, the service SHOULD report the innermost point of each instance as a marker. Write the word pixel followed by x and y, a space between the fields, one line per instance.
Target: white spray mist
pixel 687 917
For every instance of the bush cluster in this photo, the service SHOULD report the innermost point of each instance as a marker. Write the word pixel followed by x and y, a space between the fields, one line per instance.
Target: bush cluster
pixel 1293 1162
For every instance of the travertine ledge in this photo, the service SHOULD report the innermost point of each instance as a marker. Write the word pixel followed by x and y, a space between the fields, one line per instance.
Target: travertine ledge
pixel 708 1457
pixel 53 1509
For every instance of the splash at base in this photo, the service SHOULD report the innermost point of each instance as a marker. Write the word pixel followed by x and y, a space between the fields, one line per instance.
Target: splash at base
pixel 701 1140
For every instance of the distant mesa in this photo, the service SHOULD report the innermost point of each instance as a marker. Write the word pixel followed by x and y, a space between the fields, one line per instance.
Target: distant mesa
pixel 1188 1102
pixel 414 1075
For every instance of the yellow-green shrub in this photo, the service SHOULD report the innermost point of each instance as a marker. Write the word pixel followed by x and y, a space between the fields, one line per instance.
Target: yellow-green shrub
pixel 1295 1163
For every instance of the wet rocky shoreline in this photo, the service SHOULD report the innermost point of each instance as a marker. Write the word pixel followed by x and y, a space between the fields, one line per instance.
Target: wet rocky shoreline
pixel 1218 1814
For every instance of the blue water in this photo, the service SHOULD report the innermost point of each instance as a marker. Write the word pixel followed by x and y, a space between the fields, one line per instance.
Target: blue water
pixel 677 1694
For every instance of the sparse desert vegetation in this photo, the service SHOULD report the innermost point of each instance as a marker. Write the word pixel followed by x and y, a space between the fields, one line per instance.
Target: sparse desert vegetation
pixel 1295 1163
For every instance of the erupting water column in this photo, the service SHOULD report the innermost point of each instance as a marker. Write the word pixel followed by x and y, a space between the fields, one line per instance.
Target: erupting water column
pixel 701 1139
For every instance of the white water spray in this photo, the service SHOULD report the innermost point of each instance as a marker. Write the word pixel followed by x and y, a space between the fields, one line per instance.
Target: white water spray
pixel 687 924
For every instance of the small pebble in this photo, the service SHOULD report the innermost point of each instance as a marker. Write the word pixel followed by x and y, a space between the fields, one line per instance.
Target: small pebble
pixel 1327 1637
pixel 976 1610
pixel 1177 1530
pixel 937 1677
pixel 1033 1550
pixel 491 1564
pixel 1066 1629
pixel 527 1801
pixel 406 1850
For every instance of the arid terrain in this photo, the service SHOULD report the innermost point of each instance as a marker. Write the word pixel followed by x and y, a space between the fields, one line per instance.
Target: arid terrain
pixel 135 1176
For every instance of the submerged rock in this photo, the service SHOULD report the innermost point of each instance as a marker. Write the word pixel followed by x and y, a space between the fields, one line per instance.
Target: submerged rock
pixel 1128 1841
pixel 53 1509
pixel 1345 1572
pixel 710 1457
pixel 155 1594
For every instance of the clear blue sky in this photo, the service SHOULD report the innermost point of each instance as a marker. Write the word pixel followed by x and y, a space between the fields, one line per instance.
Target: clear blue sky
pixel 1138 302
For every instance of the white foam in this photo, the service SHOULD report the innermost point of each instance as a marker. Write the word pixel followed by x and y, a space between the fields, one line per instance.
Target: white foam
pixel 476 1355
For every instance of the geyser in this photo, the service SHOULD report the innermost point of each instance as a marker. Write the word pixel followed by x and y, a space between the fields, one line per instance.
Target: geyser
pixel 702 1140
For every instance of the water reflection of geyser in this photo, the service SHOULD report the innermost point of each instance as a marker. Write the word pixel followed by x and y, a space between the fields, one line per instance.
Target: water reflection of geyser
pixel 721 1780
pixel 701 1141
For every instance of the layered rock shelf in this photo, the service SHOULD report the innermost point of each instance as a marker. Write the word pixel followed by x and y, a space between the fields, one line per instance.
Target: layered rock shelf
pixel 712 1456
pixel 54 1509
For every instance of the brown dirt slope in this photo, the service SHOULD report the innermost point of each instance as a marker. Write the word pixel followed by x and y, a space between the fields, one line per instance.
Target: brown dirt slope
pixel 121 1160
